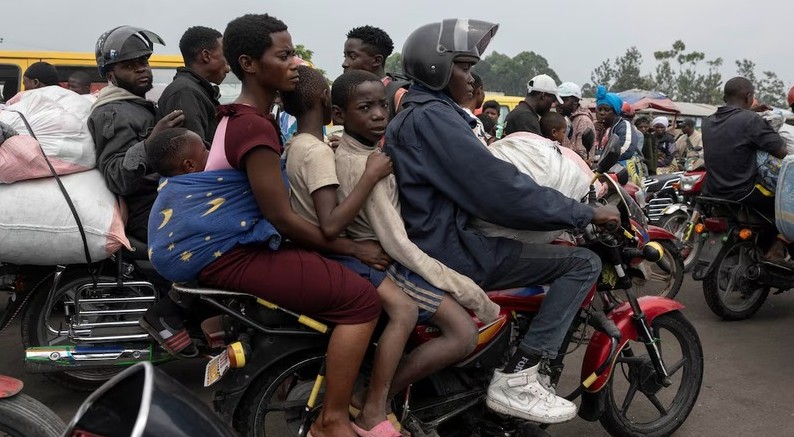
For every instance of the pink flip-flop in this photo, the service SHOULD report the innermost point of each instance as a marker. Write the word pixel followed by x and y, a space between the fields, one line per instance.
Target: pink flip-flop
pixel 383 429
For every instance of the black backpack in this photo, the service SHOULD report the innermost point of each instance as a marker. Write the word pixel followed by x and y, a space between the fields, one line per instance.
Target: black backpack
pixel 397 81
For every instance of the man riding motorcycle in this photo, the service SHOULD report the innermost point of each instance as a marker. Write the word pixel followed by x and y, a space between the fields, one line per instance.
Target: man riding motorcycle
pixel 731 139
pixel 445 176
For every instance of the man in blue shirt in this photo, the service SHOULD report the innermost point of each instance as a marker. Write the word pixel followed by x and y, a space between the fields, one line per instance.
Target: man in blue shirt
pixel 446 177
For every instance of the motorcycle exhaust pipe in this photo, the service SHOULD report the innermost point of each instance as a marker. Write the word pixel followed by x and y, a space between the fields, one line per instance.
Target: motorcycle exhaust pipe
pixel 768 276
pixel 45 359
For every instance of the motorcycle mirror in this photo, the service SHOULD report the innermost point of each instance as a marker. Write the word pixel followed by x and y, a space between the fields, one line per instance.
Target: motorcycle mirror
pixel 145 402
pixel 611 154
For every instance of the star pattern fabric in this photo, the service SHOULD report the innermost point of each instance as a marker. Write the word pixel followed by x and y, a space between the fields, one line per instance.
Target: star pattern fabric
pixel 198 217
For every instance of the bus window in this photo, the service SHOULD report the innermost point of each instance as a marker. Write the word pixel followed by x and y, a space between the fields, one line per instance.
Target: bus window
pixel 9 81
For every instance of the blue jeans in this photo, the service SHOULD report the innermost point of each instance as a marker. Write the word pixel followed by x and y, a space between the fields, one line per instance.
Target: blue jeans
pixel 570 272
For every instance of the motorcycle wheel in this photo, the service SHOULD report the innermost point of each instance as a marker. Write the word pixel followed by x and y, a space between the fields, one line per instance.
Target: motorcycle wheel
pixel 38 324
pixel 636 404
pixel 666 276
pixel 690 250
pixel 728 292
pixel 23 416
pixel 274 404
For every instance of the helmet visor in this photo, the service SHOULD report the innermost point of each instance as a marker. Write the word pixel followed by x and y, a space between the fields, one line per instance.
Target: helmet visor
pixel 465 37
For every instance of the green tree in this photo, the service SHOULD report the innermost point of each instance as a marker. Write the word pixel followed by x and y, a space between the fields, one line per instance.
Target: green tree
pixel 684 81
pixel 768 89
pixel 394 63
pixel 624 74
pixel 302 52
pixel 502 73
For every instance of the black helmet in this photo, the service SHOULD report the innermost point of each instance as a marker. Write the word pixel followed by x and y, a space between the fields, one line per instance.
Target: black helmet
pixel 429 51
pixel 122 44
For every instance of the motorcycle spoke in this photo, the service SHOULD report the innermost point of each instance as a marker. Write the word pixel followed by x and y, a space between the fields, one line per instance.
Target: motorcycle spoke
pixel 629 397
pixel 656 403
pixel 671 370
pixel 661 277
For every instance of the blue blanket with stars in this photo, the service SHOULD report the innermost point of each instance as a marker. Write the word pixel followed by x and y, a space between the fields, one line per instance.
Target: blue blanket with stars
pixel 198 217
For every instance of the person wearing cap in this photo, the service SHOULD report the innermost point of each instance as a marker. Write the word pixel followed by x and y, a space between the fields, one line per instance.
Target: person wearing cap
pixel 541 96
pixel 194 89
pixel 442 188
pixel 665 145
pixel 690 143
pixel 581 132
pixel 122 119
pixel 39 75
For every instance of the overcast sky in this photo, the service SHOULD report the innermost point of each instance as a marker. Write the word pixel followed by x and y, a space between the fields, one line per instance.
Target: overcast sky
pixel 574 36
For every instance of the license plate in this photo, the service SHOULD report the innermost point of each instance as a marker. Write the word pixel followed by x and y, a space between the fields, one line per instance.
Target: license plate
pixel 711 247
pixel 216 368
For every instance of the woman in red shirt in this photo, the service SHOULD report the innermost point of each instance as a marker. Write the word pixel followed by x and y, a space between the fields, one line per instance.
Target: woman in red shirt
pixel 260 53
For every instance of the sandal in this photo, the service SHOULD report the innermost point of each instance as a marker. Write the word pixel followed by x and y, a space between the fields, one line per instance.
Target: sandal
pixel 354 412
pixel 383 429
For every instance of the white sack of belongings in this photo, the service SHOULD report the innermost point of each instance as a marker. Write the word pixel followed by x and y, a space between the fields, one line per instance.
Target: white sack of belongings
pixel 58 118
pixel 544 161
pixel 37 226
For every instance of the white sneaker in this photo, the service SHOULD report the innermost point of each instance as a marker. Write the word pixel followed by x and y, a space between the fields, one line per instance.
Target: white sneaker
pixel 527 395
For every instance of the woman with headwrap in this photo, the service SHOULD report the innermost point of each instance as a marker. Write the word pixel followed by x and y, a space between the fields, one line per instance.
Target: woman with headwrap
pixel 608 109
pixel 665 143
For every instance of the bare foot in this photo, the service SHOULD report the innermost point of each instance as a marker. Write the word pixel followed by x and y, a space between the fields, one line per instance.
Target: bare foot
pixel 331 429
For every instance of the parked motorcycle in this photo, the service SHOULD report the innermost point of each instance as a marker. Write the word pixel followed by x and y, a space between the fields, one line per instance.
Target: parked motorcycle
pixel 660 193
pixel 23 416
pixel 736 279
pixel 680 218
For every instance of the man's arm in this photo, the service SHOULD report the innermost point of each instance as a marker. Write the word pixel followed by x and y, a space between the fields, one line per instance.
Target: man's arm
pixel 765 138
pixel 120 153
pixel 191 106
pixel 486 186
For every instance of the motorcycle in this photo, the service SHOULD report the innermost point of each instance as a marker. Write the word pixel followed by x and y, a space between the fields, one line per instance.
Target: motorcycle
pixel 23 416
pixel 680 218
pixel 736 279
pixel 641 347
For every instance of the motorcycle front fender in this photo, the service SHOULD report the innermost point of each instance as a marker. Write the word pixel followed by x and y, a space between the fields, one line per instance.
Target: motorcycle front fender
pixel 623 317
pixel 656 233
pixel 9 386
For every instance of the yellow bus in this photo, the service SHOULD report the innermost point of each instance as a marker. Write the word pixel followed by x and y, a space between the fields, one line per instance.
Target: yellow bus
pixel 14 63
pixel 506 103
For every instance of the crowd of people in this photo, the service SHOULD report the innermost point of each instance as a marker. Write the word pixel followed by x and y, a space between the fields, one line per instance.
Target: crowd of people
pixel 377 218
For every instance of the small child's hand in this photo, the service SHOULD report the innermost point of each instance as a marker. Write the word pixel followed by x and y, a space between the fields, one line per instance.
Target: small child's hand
pixel 378 166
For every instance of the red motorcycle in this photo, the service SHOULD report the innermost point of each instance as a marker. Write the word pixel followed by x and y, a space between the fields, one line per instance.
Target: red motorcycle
pixel 681 218
pixel 641 374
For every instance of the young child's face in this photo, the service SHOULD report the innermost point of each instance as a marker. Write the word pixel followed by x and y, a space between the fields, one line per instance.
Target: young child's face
pixel 195 157
pixel 558 134
pixel 367 112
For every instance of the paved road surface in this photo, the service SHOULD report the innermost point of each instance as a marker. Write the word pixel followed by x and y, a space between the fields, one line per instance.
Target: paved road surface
pixel 748 386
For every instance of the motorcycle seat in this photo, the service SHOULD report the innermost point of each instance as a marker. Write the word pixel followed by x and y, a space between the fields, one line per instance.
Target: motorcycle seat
pixel 196 289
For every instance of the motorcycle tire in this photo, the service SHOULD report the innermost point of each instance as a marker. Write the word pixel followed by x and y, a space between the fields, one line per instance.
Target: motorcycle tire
pixel 675 224
pixel 23 416
pixel 723 284
pixel 275 391
pixel 637 371
pixel 34 333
